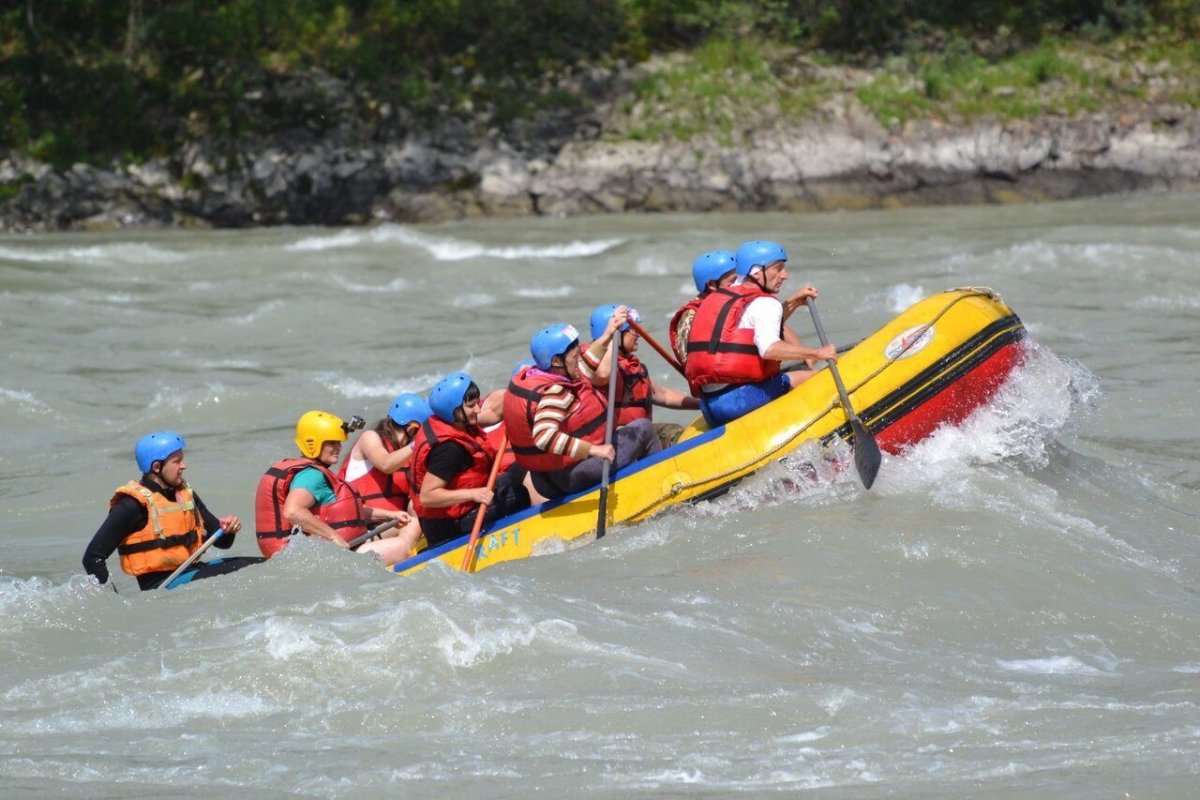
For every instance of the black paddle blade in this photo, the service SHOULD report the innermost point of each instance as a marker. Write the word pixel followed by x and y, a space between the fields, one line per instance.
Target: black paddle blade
pixel 867 457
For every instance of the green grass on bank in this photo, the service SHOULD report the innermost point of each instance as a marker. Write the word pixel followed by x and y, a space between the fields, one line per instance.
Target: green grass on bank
pixel 712 91
pixel 1057 77
pixel 98 81
pixel 725 89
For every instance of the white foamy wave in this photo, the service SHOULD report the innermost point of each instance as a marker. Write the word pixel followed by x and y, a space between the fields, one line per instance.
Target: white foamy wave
pixel 461 251
pixel 486 643
pixel 1054 665
pixel 123 253
pixel 687 288
pixel 1136 260
pixel 260 310
pixel 809 476
pixel 382 235
pixel 354 287
pixel 1040 400
pixel 316 244
pixel 175 399
pixel 37 603
pixel 652 267
pixel 1186 302
pixel 23 400
pixel 544 292
pixel 449 249
pixel 1027 257
pixel 229 363
pixel 353 388
pixel 219 705
pixel 474 300
pixel 807 736
pixel 285 638
pixel 895 298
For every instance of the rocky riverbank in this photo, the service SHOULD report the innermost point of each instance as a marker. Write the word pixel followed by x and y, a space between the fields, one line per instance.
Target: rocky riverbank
pixel 377 165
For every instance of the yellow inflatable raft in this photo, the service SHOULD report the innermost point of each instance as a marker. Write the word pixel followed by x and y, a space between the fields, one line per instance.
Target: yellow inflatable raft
pixel 932 365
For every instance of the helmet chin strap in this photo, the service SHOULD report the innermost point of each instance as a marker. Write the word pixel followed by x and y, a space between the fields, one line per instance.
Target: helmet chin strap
pixel 156 475
pixel 753 277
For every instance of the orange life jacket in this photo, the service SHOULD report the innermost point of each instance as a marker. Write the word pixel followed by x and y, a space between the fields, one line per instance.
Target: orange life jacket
pixel 434 431
pixel 584 421
pixel 377 488
pixel 272 528
pixel 174 530
pixel 718 351
pixel 634 392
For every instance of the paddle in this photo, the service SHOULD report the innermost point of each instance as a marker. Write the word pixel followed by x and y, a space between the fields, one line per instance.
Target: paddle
pixel 469 557
pixel 217 534
pixel 609 418
pixel 371 534
pixel 866 450
pixel 662 351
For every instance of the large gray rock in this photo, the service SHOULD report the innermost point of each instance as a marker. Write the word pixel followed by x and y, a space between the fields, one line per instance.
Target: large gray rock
pixel 841 159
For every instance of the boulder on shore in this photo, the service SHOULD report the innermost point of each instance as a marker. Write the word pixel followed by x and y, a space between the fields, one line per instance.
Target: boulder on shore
pixel 843 160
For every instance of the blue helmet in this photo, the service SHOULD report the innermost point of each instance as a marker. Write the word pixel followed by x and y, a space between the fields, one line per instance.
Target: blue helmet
pixel 712 267
pixel 603 314
pixel 758 254
pixel 522 364
pixel 408 408
pixel 156 447
pixel 448 395
pixel 550 342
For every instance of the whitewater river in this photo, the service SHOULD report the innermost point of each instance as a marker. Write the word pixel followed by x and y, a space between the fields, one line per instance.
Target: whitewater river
pixel 1012 611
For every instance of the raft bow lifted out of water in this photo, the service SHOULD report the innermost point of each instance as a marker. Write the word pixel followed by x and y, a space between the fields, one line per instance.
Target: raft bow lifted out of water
pixel 932 365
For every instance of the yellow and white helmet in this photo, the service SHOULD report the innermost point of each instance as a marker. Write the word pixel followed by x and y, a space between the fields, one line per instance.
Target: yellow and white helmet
pixel 316 428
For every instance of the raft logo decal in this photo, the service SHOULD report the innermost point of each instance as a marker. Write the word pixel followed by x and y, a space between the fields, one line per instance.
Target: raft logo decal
pixel 909 343
pixel 497 541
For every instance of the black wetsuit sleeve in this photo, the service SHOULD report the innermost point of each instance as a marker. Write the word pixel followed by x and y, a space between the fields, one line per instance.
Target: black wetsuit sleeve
pixel 447 459
pixel 127 516
pixel 211 523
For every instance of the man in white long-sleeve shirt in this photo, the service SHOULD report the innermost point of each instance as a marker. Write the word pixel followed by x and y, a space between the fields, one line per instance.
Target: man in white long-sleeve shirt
pixel 738 338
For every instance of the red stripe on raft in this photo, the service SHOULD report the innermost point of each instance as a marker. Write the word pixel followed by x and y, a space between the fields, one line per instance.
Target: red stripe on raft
pixel 954 403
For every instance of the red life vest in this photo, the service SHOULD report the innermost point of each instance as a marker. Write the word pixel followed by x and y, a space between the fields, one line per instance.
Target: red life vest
pixel 379 489
pixel 508 458
pixel 584 421
pixel 718 351
pixel 634 391
pixel 272 528
pixel 434 431
pixel 679 346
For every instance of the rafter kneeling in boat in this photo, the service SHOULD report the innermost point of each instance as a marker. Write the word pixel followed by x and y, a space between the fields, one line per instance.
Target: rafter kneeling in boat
pixel 637 393
pixel 710 271
pixel 738 338
pixel 303 495
pixel 555 419
pixel 451 464
pixel 377 466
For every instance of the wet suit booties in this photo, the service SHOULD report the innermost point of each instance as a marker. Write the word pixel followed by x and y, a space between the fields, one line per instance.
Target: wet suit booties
pixel 127 516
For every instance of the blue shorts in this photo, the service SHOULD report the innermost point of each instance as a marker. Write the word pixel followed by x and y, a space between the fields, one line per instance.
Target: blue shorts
pixel 735 401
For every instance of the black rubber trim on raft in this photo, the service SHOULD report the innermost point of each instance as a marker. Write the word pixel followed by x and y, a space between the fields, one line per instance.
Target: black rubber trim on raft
pixel 943 372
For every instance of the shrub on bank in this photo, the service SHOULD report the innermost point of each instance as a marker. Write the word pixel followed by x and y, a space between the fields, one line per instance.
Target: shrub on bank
pixel 93 80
